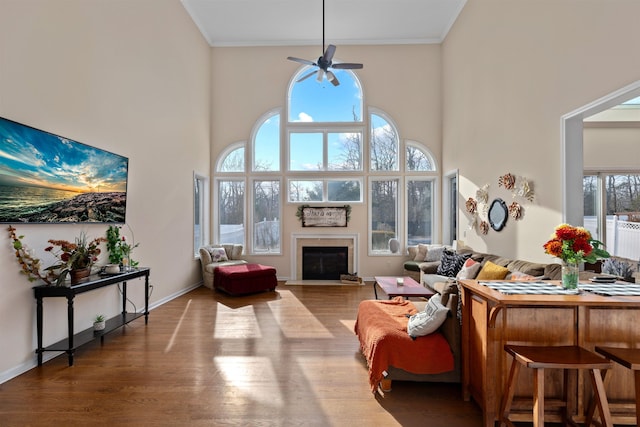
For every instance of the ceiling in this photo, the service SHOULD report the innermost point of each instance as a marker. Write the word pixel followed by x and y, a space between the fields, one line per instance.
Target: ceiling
pixel 299 22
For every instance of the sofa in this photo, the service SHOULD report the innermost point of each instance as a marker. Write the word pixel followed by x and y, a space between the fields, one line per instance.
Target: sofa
pixel 212 256
pixel 426 272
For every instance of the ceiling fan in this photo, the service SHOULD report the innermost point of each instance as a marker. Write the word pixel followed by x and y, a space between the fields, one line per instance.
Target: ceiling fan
pixel 325 62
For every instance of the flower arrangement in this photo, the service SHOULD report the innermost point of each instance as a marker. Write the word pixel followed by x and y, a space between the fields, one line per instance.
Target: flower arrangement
pixel 574 245
pixel 71 256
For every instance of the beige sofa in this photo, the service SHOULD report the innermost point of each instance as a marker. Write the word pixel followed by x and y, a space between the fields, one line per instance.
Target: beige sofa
pixel 451 329
pixel 233 252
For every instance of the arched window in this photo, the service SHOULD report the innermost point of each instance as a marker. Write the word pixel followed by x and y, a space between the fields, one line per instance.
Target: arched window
pixel 325 152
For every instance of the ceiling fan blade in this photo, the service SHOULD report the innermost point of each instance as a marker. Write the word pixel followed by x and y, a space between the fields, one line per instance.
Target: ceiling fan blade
pixel 302 61
pixel 332 78
pixel 320 75
pixel 328 54
pixel 306 76
pixel 346 66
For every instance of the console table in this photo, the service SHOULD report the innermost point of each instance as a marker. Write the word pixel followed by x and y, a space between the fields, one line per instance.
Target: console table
pixel 75 340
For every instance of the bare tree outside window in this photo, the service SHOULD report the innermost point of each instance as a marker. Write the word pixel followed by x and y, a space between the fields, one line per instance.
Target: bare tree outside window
pixel 384 212
pixel 231 211
pixel 266 216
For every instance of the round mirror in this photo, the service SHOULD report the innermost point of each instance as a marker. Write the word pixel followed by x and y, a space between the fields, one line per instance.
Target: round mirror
pixel 498 214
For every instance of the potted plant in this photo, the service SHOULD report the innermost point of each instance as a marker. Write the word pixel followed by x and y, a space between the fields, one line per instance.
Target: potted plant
pixel 75 259
pixel 119 249
pixel 99 323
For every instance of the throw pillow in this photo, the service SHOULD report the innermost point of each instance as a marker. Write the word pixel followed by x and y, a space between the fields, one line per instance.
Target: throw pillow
pixel 434 253
pixel 421 254
pixel 218 254
pixel 492 271
pixel 429 320
pixel 517 275
pixel 451 263
pixel 469 270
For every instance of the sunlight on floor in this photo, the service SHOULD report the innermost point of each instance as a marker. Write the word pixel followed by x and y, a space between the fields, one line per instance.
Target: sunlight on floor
pixel 349 324
pixel 252 376
pixel 236 322
pixel 167 349
pixel 301 323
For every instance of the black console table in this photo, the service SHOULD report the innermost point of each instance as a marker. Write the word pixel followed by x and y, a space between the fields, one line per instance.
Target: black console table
pixel 75 340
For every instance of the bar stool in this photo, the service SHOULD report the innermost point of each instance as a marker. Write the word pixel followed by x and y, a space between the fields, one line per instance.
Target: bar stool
pixel 629 358
pixel 568 358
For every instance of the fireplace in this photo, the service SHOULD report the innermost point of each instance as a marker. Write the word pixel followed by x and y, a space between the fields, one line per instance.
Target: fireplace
pixel 302 240
pixel 324 262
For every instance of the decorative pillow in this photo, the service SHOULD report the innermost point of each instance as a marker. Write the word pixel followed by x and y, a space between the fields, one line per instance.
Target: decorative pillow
pixel 469 270
pixel 492 271
pixel 451 263
pixel 412 251
pixel 421 254
pixel 429 320
pixel 517 275
pixel 434 253
pixel 218 254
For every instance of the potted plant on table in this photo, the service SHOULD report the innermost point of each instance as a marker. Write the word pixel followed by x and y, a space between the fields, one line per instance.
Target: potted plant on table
pixel 99 323
pixel 74 259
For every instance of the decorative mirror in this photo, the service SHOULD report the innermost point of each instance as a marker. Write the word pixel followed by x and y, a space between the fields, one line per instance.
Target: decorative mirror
pixel 498 214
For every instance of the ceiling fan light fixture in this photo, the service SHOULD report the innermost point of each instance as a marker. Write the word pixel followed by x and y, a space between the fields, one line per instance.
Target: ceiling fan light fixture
pixel 325 62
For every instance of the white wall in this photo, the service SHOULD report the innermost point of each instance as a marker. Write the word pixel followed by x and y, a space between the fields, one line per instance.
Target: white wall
pixel 131 77
pixel 511 70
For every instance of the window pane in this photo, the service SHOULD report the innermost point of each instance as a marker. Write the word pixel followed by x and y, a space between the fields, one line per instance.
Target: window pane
pixel 305 152
pixel 234 162
pixel 418 160
pixel 384 210
pixel 311 101
pixel 344 191
pixel 305 191
pixel 199 221
pixel 384 145
pixel 266 153
pixel 266 216
pixel 231 211
pixel 419 212
pixel 345 151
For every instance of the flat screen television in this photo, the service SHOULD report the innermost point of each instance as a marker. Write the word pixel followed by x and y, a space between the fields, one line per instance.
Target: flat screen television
pixel 46 178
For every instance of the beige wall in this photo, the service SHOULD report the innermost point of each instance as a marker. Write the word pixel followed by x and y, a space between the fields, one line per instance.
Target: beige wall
pixel 131 77
pixel 511 70
pixel 403 81
pixel 612 147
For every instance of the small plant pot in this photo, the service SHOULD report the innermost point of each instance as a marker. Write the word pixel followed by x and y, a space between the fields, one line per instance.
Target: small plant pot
pixel 99 326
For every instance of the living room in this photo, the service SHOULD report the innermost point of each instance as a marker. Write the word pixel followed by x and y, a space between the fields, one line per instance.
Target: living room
pixel 138 79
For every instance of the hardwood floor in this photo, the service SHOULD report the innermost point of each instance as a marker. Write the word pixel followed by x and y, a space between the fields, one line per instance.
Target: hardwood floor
pixel 284 358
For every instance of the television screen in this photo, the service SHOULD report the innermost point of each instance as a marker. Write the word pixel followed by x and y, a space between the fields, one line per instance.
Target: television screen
pixel 46 178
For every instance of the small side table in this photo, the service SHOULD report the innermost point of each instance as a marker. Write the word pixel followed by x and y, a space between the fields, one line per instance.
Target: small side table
pixel 410 288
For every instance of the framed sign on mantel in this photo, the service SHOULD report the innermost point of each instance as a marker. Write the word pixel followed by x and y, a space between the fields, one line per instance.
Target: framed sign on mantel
pixel 330 216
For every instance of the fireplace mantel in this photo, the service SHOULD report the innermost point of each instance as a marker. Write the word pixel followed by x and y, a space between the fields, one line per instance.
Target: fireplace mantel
pixel 298 240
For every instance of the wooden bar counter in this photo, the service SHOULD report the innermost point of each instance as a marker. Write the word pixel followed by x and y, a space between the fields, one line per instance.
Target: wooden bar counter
pixel 491 319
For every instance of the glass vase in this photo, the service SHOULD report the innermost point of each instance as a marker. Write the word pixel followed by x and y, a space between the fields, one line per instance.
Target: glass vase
pixel 570 275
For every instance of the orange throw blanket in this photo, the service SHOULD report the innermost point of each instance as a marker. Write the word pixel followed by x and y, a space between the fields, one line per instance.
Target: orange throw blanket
pixel 381 327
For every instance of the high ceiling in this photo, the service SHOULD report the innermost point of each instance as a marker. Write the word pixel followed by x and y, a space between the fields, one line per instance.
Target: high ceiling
pixel 299 22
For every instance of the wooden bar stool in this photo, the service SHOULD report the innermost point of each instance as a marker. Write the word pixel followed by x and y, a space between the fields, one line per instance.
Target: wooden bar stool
pixel 629 358
pixel 568 358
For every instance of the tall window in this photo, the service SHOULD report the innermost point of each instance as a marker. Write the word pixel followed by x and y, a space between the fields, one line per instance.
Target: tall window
pixel 231 218
pixel 322 148
pixel 200 202
pixel 266 216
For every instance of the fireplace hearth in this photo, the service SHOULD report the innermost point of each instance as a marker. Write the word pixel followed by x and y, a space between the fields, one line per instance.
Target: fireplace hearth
pixel 324 262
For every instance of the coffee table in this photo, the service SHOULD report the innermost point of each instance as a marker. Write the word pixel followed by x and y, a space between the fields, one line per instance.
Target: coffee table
pixel 411 288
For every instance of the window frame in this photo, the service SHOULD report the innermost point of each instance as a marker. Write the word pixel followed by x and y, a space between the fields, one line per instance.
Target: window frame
pixel 399 229
pixel 216 195
pixel 434 197
pixel 251 234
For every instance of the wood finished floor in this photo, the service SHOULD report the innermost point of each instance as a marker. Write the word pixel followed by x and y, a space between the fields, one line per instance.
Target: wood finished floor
pixel 284 358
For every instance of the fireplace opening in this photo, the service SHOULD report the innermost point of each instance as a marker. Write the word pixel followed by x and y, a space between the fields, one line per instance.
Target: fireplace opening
pixel 324 262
